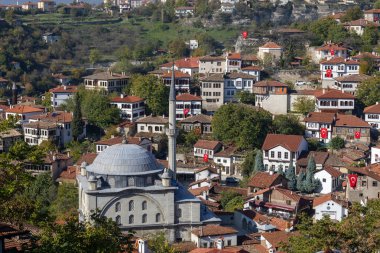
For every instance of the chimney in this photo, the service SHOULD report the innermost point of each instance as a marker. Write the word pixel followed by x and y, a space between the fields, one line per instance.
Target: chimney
pixel 54 157
pixel 64 87
pixel 143 246
pixel 324 91
pixel 377 102
pixel 121 95
pixel 83 171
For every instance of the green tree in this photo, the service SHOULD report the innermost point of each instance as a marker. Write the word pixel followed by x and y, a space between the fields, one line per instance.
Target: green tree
pixel 248 166
pixel 304 105
pixel 236 203
pixel 369 91
pixel 192 137
pixel 94 56
pixel 300 181
pixel 227 196
pixel 77 124
pixel 239 123
pixel 65 205
pixel 310 183
pixel 336 143
pixel 46 102
pixel 259 164
pixel 159 244
pixel 291 176
pixel 353 13
pixel 98 234
pixel 281 170
pixel 246 97
pixel 377 5
pixel 370 35
pixel 178 48
pixel 288 124
pixel 154 92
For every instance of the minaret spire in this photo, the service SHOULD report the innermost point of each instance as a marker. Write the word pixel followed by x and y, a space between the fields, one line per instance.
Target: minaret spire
pixel 172 131
pixel 14 94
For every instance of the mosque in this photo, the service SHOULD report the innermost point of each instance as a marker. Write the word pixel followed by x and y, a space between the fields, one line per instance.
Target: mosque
pixel 126 183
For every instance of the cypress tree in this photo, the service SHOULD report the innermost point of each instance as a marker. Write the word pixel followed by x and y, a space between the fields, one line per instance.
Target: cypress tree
pixel 281 170
pixel 259 164
pixel 291 176
pixel 310 183
pixel 300 181
pixel 77 118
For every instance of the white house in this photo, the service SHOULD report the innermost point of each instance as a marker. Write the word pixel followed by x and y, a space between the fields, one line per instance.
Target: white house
pixel 193 44
pixel 151 124
pixel 208 236
pixel 329 178
pixel 22 112
pixel 375 154
pixel 253 71
pixel 206 172
pixel 334 101
pixel 329 51
pixel 319 125
pixel 272 96
pixel 336 67
pixel 330 205
pixel 372 115
pixel 271 49
pixel 60 94
pixel 188 105
pixel 212 65
pixel 233 62
pixel 189 66
pixel 236 82
pixel 282 149
pixel 350 83
pixel 358 26
pixel 206 148
pixel 225 159
pixel 131 107
pixel 106 82
pixel 184 11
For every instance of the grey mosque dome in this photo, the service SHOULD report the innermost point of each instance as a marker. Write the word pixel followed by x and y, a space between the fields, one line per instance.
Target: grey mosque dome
pixel 125 160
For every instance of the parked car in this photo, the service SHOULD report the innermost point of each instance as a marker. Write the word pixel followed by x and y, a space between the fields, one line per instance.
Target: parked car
pixel 231 181
pixel 300 83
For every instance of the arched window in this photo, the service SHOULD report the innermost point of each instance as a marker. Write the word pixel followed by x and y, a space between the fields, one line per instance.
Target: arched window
pixel 131 205
pixel 117 207
pixel 118 220
pixel 131 219
pixel 144 218
pixel 158 217
pixel 144 205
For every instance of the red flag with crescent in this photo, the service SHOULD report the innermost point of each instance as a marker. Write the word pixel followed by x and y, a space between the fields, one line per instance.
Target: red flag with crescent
pixel 357 135
pixel 186 111
pixel 332 52
pixel 353 180
pixel 244 34
pixel 205 158
pixel 328 73
pixel 324 133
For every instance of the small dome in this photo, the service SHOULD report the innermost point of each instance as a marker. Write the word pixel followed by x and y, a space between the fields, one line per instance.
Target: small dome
pixel 83 165
pixel 125 160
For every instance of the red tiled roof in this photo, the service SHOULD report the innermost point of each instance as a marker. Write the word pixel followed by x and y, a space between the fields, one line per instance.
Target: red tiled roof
pixel 372 108
pixel 320 157
pixel 127 99
pixel 377 11
pixel 263 180
pixel 54 117
pixel 333 172
pixel 214 250
pixel 321 117
pixel 350 121
pixel 24 109
pixel 64 89
pixel 88 158
pixel 252 68
pixel 188 97
pixel 213 230
pixel 361 22
pixel 202 118
pixel 328 47
pixel 290 142
pixel 69 173
pixel 249 57
pixel 352 78
pixel 177 74
pixel 327 197
pixel 277 237
pixel 206 144
pixel 227 152
pixel 340 60
pixel 270 83
pixel 271 45
pixel 198 191
pixel 234 56
pixel 365 55
pixel 331 94
pixel 192 62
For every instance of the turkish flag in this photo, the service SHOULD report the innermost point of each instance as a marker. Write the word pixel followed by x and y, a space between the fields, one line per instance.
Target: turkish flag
pixel 244 34
pixel 324 133
pixel 376 19
pixel 353 179
pixel 186 111
pixel 329 73
pixel 357 135
pixel 332 52
pixel 205 158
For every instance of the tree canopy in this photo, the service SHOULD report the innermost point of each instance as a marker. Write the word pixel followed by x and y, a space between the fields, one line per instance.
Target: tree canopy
pixel 288 124
pixel 304 105
pixel 369 91
pixel 336 143
pixel 241 124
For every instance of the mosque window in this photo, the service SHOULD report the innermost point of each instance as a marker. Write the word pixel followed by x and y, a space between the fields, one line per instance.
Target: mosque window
pixel 131 205
pixel 144 205
pixel 118 220
pixel 158 217
pixel 131 219
pixel 131 181
pixel 144 218
pixel 117 207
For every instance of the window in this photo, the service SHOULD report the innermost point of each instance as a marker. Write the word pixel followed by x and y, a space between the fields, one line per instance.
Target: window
pixel 131 205
pixel 158 217
pixel 229 242
pixel 286 155
pixel 118 220
pixel 144 218
pixel 364 183
pixel 272 154
pixel 142 128
pixel 117 207
pixel 374 183
pixel 131 219
pixel 289 202
pixel 279 154
pixel 324 180
pixel 143 205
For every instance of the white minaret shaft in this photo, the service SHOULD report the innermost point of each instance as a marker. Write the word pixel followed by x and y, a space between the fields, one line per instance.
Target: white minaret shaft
pixel 172 131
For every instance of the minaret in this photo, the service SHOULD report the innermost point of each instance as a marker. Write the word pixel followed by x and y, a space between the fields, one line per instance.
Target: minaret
pixel 14 94
pixel 172 131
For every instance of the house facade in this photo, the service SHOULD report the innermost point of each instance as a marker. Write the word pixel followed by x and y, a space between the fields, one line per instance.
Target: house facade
pixel 181 80
pixel 270 49
pixel 188 105
pixel 375 154
pixel 358 26
pixel 372 115
pixel 212 90
pixel 329 178
pixel 253 71
pixel 46 5
pixel 281 150
pixel 367 184
pixel 329 51
pixel 335 101
pixel 131 107
pixel 330 205
pixel 8 138
pixel 372 15
pixel 200 123
pixel 319 125
pixel 206 148
pixel 350 83
pixel 337 67
pixel 61 94
pixel 22 112
pixel 212 65
pixel 352 129
pixel 151 124
pixel 236 82
pixel 106 82
pixel 271 96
